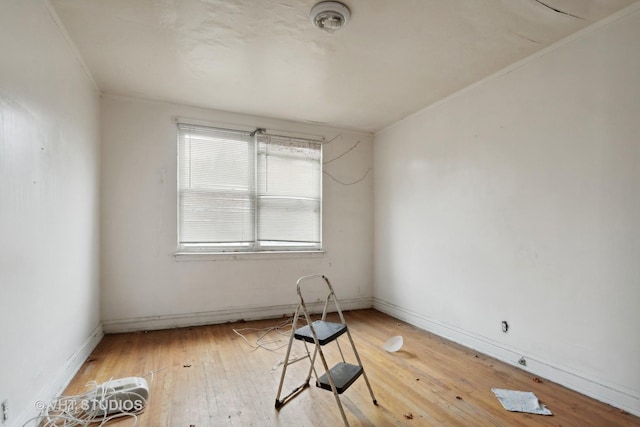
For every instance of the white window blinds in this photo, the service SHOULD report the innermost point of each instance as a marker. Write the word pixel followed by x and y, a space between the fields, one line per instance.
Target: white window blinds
pixel 250 193
pixel 289 182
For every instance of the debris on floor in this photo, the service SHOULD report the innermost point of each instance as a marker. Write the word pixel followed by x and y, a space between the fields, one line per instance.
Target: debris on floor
pixel 408 416
pixel 393 344
pixel 520 401
pixel 537 380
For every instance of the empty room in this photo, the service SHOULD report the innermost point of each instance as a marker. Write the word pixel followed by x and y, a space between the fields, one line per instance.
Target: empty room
pixel 319 213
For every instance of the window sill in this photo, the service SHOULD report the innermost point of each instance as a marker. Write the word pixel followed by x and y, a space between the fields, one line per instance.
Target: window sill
pixel 181 256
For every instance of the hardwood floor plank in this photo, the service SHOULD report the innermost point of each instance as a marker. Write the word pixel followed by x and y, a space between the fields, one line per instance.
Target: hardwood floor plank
pixel 210 376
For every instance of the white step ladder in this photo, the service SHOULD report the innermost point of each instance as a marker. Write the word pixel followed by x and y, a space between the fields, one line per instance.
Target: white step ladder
pixel 321 332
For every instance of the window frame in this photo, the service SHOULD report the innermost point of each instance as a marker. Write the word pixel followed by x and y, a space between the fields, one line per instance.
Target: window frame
pixel 255 247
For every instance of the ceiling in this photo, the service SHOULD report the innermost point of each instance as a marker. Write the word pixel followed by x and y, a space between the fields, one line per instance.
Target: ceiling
pixel 265 57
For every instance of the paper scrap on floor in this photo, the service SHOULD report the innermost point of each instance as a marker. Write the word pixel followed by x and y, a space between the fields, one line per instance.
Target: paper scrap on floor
pixel 520 401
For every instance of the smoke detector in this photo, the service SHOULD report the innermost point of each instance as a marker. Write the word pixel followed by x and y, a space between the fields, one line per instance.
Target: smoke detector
pixel 330 16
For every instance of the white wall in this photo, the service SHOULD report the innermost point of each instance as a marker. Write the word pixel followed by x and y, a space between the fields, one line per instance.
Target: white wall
pixel 49 290
pixel 144 286
pixel 518 199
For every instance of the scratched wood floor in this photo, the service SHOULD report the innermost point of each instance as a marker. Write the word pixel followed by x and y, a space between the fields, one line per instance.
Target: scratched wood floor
pixel 210 376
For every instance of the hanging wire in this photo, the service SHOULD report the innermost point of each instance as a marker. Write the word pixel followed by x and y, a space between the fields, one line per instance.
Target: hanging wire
pixel 347 183
pixel 341 155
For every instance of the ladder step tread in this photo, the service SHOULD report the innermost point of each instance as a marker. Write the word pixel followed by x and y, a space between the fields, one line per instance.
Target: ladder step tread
pixel 343 375
pixel 325 331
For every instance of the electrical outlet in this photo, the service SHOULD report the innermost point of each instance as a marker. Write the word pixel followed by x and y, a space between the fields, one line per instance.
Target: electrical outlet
pixel 5 411
pixel 505 326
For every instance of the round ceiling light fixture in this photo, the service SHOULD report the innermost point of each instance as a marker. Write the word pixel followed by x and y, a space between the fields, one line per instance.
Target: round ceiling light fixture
pixel 330 16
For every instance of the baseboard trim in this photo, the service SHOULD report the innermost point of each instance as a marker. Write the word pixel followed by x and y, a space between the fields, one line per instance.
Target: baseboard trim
pixel 598 389
pixel 235 314
pixel 63 377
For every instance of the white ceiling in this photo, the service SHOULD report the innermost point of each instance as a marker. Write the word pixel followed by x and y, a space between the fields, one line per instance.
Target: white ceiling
pixel 264 57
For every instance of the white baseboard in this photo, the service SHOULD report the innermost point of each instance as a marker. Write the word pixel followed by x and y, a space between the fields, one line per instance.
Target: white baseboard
pixel 614 395
pixel 219 316
pixel 63 377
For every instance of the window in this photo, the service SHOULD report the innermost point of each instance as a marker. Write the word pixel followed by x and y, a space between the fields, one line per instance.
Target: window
pixel 247 191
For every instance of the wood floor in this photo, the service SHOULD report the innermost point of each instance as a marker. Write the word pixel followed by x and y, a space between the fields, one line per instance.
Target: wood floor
pixel 210 376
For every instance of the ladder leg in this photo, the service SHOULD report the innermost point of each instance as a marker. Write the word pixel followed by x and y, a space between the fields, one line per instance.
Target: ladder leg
pixel 279 402
pixel 333 388
pixel 312 367
pixel 364 373
pixel 340 350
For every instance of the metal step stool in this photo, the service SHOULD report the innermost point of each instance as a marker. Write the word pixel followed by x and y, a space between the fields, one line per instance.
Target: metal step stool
pixel 319 333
